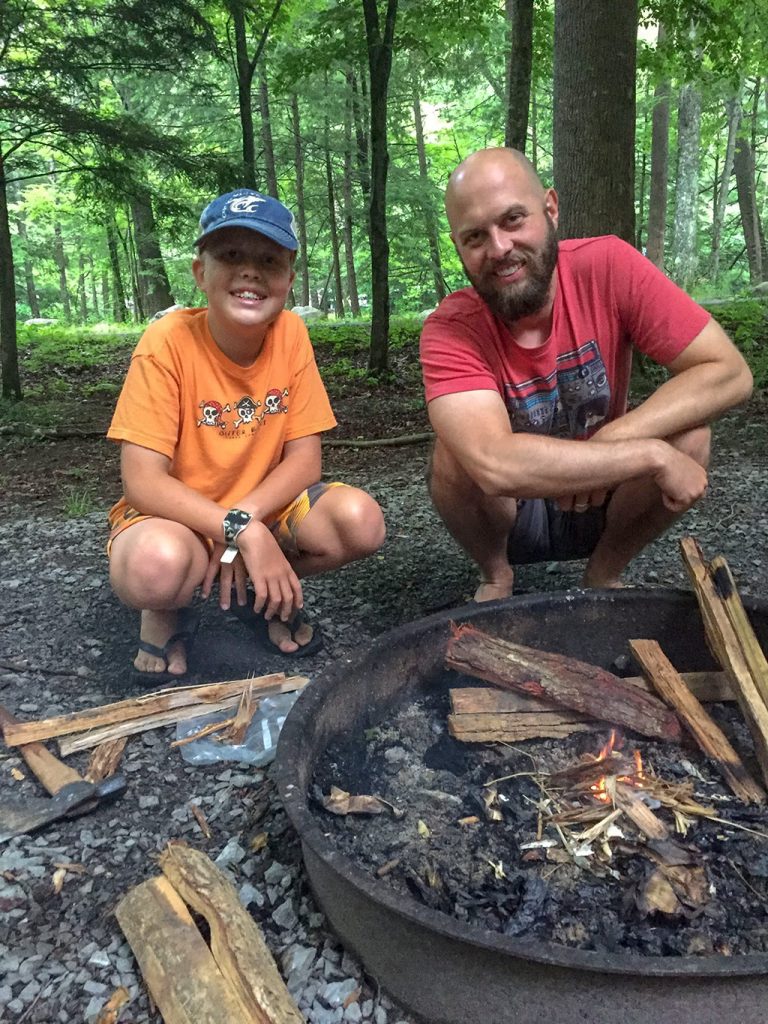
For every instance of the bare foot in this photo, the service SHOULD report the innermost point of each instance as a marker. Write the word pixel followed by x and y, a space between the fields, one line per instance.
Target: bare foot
pixel 287 639
pixel 493 590
pixel 615 583
pixel 156 629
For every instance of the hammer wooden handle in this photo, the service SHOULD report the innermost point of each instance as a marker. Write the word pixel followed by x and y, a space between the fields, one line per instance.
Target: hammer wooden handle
pixel 50 771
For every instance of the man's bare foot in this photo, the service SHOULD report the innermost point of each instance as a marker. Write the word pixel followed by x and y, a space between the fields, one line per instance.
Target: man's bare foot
pixel 614 583
pixel 156 629
pixel 494 590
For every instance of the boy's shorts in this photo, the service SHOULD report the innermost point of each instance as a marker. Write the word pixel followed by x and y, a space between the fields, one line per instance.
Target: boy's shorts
pixel 284 526
pixel 544 533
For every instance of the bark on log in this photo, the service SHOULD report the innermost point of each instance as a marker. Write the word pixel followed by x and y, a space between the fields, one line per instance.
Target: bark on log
pixel 725 646
pixel 148 704
pixel 662 674
pixel 237 944
pixel 565 681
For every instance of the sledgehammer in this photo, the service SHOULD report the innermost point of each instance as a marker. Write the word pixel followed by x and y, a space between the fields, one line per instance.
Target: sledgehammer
pixel 71 795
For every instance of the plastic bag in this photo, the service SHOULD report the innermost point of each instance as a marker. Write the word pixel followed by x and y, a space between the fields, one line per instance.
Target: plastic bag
pixel 258 747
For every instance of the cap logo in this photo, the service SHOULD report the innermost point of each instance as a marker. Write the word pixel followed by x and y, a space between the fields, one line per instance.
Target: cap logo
pixel 245 204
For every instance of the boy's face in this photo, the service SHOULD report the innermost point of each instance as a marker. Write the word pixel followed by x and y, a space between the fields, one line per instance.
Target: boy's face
pixel 246 277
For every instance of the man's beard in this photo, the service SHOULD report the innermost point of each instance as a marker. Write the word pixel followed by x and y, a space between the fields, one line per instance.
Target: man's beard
pixel 518 300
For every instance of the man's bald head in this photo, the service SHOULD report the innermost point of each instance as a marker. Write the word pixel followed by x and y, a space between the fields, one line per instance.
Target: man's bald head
pixel 504 226
pixel 488 169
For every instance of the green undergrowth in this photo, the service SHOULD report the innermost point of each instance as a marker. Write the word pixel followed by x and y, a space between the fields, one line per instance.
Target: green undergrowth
pixel 55 345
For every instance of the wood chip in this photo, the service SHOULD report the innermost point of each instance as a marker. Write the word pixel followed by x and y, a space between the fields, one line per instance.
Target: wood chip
pixel 201 820
pixel 111 1009
pixel 105 759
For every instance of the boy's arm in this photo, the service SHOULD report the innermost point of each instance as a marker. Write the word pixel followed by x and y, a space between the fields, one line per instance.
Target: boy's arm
pixel 149 487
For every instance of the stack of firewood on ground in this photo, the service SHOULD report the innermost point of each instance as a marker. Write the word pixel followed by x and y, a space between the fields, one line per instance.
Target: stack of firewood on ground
pixel 539 694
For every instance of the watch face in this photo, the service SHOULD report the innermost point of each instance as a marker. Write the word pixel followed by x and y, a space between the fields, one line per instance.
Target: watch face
pixel 235 521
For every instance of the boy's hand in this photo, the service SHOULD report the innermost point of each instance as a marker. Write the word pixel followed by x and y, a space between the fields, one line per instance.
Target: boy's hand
pixel 277 587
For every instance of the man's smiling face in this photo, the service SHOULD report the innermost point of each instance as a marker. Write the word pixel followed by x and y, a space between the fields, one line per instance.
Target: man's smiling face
pixel 503 225
pixel 246 277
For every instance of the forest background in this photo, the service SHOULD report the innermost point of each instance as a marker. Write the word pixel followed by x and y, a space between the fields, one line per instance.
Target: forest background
pixel 120 119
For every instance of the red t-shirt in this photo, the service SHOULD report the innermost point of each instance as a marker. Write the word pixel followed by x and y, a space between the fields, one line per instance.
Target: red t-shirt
pixel 609 298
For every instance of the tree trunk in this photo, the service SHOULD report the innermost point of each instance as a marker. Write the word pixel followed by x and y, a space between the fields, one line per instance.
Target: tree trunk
pixel 430 221
pixel 379 39
pixel 657 204
pixel 733 110
pixel 60 259
pixel 595 42
pixel 519 63
pixel 534 157
pixel 301 216
pixel 744 170
pixel 641 183
pixel 118 292
pixel 81 300
pixel 92 279
pixel 338 290
pixel 9 352
pixel 685 258
pixel 29 276
pixel 244 75
pixel 266 132
pixel 105 295
pixel 154 288
pixel 361 137
pixel 349 245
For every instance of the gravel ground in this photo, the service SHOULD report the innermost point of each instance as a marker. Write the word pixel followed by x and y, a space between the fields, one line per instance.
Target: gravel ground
pixel 65 644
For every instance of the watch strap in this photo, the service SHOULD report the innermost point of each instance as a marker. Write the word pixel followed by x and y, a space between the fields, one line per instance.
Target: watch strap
pixel 233 524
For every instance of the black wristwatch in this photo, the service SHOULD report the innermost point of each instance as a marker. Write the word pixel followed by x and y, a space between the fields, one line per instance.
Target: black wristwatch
pixel 235 521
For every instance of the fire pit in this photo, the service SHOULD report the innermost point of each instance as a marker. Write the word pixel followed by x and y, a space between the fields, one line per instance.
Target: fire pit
pixel 446 970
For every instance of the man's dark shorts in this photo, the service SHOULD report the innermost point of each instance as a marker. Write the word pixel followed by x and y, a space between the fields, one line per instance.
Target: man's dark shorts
pixel 543 533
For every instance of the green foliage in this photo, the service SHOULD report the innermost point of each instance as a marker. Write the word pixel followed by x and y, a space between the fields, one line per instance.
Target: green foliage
pixel 75 346
pixel 79 502
pixel 351 336
pixel 746 323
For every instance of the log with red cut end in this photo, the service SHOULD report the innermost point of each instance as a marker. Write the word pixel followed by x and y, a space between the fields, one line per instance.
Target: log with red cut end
pixel 565 681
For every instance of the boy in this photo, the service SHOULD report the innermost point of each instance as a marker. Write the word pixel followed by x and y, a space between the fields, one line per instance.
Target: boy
pixel 219 420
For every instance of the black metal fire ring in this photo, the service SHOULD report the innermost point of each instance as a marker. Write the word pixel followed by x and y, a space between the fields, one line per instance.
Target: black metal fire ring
pixel 392 934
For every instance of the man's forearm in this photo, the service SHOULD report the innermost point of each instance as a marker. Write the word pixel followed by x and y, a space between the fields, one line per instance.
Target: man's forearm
pixel 695 397
pixel 531 466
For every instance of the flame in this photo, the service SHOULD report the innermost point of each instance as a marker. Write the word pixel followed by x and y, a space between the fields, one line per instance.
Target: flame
pixel 599 789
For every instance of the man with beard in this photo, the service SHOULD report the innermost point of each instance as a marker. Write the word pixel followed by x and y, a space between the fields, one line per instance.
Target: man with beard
pixel 526 375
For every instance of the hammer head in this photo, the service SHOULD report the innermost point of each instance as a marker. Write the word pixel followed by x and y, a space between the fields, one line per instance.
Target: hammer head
pixel 72 800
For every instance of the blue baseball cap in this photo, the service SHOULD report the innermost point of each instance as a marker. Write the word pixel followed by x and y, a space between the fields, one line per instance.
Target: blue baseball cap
pixel 248 209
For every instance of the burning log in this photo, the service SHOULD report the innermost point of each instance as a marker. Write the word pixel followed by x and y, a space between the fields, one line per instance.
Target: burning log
pixel 565 681
pixel 728 643
pixel 662 674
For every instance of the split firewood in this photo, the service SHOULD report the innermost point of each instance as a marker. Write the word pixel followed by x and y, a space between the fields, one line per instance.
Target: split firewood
pixel 206 730
pixel 569 683
pixel 725 643
pixel 181 973
pixel 663 675
pixel 105 759
pixel 742 627
pixel 246 709
pixel 86 740
pixel 237 944
pixel 149 704
pixel 631 802
pixel 467 700
pixel 511 728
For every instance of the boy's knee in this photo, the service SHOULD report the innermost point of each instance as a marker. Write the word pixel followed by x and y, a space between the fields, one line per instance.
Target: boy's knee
pixel 157 567
pixel 359 523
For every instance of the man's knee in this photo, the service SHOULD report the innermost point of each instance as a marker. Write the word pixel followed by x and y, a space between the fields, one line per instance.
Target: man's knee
pixel 696 443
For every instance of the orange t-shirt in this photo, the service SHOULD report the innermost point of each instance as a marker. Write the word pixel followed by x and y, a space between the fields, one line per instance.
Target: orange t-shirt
pixel 222 425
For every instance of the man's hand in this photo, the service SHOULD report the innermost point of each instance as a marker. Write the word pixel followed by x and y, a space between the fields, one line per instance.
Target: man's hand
pixel 681 480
